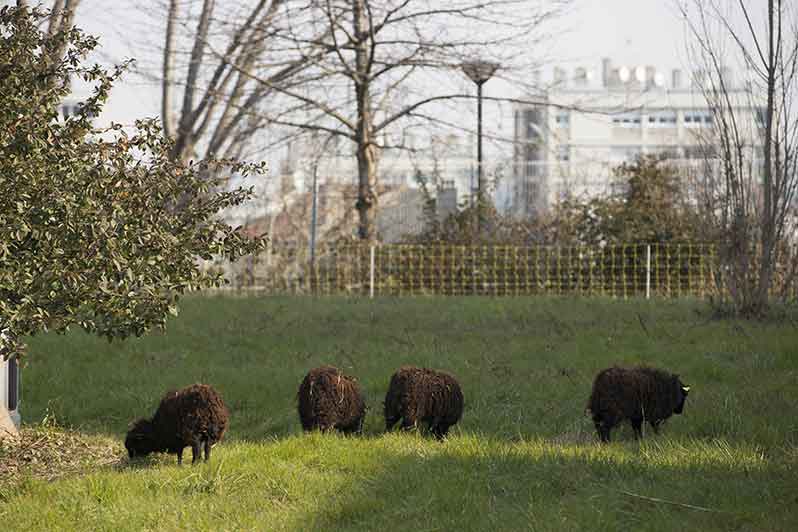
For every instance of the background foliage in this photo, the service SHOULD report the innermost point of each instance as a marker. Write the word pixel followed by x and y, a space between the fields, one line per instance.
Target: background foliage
pixel 98 229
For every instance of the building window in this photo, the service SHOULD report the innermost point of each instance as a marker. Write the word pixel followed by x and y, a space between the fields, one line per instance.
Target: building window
pixel 698 118
pixel 532 163
pixel 534 169
pixel 662 118
pixel 631 119
pixel 564 153
pixel 563 118
pixel 533 119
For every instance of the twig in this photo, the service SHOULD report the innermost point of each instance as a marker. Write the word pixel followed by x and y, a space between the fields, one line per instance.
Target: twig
pixel 663 501
pixel 643 325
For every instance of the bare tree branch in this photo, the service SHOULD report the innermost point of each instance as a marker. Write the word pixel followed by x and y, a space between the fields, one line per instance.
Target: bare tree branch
pixel 379 49
pixel 751 207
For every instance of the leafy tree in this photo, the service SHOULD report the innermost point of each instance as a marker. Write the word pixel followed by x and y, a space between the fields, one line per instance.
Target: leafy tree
pixel 650 206
pixel 98 229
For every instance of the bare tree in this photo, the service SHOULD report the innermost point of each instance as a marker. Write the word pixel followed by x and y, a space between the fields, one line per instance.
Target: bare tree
pixel 207 104
pixel 387 66
pixel 749 194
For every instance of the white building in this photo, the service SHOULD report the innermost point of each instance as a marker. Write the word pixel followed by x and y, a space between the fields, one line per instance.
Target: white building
pixel 569 145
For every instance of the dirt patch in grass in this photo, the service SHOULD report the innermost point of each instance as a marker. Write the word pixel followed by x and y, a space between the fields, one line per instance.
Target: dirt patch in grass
pixel 50 452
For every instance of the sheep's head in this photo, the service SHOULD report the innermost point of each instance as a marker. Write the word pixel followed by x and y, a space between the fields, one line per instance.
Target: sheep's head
pixel 140 440
pixel 681 394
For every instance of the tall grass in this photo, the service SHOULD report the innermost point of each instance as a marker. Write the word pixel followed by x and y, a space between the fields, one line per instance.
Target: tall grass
pixel 523 457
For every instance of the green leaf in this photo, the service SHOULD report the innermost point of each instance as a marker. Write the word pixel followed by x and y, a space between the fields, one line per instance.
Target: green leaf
pixel 96 230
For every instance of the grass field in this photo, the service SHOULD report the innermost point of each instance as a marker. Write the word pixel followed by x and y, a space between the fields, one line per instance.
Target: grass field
pixel 524 456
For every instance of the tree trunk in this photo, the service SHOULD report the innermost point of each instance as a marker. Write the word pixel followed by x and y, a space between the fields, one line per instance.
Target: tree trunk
pixel 366 191
pixel 767 236
pixel 366 149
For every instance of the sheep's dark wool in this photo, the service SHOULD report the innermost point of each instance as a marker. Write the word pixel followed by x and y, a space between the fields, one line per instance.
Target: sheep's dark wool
pixel 635 394
pixel 194 416
pixel 423 395
pixel 328 399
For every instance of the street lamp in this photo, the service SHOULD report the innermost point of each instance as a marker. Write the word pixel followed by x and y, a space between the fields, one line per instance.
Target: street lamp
pixel 479 72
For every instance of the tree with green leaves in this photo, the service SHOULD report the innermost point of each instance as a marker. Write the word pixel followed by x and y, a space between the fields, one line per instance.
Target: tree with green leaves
pixel 100 230
pixel 650 205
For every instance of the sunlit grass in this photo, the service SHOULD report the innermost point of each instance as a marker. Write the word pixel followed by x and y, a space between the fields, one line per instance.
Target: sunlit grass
pixel 524 456
pixel 397 481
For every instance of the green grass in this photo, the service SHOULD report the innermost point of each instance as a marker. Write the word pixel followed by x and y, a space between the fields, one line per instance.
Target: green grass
pixel 523 457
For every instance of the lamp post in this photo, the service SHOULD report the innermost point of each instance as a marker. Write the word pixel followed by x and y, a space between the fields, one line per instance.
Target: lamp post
pixel 314 196
pixel 479 72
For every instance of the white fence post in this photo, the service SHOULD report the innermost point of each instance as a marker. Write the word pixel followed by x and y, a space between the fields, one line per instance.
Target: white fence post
pixel 648 271
pixel 371 272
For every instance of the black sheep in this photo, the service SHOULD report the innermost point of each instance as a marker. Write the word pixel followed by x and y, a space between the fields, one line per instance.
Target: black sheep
pixel 328 399
pixel 195 416
pixel 423 395
pixel 637 394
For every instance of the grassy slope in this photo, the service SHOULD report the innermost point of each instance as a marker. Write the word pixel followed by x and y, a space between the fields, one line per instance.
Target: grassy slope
pixel 523 456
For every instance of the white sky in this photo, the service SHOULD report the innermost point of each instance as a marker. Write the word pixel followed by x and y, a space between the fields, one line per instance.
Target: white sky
pixel 630 32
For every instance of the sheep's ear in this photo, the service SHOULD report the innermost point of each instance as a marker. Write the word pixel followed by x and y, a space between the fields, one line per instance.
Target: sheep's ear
pixel 686 389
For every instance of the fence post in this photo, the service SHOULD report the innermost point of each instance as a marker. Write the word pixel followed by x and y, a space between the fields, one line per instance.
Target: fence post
pixel 648 271
pixel 371 271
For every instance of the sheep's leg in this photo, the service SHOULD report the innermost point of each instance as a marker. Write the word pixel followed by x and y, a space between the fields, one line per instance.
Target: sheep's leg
pixel 603 432
pixel 655 426
pixel 409 423
pixel 353 428
pixel 207 449
pixel 325 423
pixel 603 428
pixel 435 427
pixel 196 452
pixel 180 457
pixel 390 422
pixel 440 431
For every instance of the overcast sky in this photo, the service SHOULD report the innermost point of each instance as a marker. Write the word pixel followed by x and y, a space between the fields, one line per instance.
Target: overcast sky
pixel 630 32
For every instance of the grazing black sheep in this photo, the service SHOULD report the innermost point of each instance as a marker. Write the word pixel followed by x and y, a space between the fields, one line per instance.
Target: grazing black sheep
pixel 328 399
pixel 423 395
pixel 637 394
pixel 194 416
